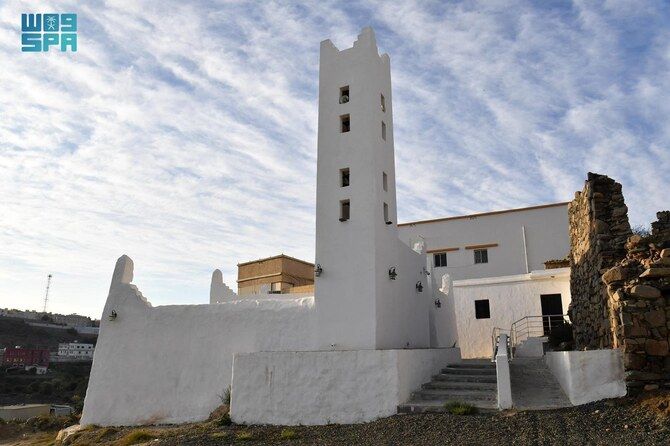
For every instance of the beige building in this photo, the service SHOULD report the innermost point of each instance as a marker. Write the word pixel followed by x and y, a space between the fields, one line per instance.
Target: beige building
pixel 280 274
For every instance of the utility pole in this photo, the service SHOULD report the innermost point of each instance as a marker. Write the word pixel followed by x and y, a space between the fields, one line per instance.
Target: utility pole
pixel 46 294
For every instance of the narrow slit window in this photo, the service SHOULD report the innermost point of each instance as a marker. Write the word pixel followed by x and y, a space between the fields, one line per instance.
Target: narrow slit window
pixel 482 309
pixel 385 181
pixel 344 95
pixel 383 130
pixel 345 210
pixel 344 124
pixel 383 103
pixel 344 177
pixel 386 213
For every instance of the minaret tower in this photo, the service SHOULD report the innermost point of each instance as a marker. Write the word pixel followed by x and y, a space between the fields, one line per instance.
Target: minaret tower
pixel 356 225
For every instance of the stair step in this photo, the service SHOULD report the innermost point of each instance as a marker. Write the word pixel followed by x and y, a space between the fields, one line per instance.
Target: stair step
pixel 462 385
pixel 465 378
pixel 455 394
pixel 469 371
pixel 472 365
pixel 421 406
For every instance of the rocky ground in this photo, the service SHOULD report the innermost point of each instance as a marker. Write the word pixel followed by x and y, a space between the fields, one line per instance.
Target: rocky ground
pixel 625 421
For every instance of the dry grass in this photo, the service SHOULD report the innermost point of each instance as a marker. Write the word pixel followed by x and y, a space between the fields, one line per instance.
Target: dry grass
pixel 135 437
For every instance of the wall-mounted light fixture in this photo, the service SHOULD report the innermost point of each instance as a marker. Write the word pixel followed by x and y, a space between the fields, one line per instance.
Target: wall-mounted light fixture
pixel 419 286
pixel 425 271
pixel 392 273
pixel 318 270
pixel 438 304
pixel 112 315
pixel 389 222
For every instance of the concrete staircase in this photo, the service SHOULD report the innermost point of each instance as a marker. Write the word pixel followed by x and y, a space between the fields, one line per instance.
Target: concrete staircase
pixel 472 382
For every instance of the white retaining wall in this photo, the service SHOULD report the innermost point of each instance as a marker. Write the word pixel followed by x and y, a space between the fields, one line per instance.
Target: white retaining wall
pixel 322 387
pixel 168 364
pixel 590 375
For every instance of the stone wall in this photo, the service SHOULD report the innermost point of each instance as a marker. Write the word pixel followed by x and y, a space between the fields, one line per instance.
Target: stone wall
pixel 638 289
pixel 599 228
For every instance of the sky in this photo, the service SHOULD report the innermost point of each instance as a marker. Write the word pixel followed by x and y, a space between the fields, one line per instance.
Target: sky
pixel 183 134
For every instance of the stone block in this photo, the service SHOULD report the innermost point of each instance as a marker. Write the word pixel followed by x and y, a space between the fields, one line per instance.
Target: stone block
pixel 656 272
pixel 656 348
pixel 645 291
pixel 617 274
pixel 635 375
pixel 665 254
pixel 655 318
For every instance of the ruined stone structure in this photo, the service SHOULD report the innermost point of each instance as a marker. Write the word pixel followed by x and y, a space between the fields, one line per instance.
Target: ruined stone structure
pixel 620 283
pixel 599 228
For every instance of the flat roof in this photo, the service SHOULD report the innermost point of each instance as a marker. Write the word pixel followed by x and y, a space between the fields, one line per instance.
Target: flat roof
pixel 484 214
pixel 274 257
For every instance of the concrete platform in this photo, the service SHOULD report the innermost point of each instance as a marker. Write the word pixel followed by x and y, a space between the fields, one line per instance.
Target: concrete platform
pixel 534 387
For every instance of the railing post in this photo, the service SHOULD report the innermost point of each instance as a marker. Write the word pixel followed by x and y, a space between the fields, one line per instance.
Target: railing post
pixel 503 374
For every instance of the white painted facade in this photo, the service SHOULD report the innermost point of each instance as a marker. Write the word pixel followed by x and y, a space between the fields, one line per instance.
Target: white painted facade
pixel 76 350
pixel 524 238
pixel 510 299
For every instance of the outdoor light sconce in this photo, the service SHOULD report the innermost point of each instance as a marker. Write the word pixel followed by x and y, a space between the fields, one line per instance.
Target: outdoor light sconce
pixel 318 270
pixel 438 304
pixel 419 286
pixel 425 271
pixel 392 273
pixel 112 315
pixel 389 222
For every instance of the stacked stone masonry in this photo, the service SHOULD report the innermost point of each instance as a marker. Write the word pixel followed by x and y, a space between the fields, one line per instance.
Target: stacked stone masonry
pixel 599 228
pixel 620 283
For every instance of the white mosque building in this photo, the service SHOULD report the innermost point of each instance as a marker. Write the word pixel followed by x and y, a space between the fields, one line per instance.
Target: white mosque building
pixel 393 304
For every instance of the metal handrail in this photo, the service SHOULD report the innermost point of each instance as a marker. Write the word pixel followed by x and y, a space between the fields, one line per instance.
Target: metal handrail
pixel 523 328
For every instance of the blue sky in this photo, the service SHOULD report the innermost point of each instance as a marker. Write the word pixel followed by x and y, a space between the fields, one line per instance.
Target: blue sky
pixel 184 133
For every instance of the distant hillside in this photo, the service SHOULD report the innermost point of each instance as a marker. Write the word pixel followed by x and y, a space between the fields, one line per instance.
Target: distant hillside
pixel 17 332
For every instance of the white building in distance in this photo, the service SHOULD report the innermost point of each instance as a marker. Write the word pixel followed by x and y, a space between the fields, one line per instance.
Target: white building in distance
pixel 76 350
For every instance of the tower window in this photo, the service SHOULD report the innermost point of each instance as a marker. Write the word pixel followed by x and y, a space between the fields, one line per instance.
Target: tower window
pixel 383 130
pixel 344 95
pixel 386 214
pixel 344 210
pixel 385 181
pixel 482 309
pixel 383 103
pixel 344 123
pixel 344 177
pixel 439 259
pixel 481 256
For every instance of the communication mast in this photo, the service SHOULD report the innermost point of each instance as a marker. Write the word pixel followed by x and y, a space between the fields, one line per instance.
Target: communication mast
pixel 46 294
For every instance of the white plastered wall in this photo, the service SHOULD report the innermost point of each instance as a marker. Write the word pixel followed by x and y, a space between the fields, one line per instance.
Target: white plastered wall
pixel 312 388
pixel 510 299
pixel 169 364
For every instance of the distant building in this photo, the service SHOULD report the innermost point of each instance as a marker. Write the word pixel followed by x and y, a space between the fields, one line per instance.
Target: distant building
pixel 279 274
pixel 76 350
pixel 23 411
pixel 17 356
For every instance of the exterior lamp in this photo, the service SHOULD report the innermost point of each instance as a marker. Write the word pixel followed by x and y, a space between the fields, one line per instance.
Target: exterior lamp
pixel 392 273
pixel 318 270
pixel 112 315
pixel 425 271
pixel 419 286
pixel 438 304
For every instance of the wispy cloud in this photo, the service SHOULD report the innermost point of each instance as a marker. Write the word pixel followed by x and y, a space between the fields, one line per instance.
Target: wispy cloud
pixel 184 134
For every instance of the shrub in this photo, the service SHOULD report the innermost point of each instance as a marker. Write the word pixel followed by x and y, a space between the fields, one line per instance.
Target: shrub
pixel 288 434
pixel 224 420
pixel 134 437
pixel 459 408
pixel 244 436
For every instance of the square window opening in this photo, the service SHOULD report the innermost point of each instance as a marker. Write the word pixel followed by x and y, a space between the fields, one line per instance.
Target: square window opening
pixel 344 124
pixel 344 94
pixel 344 177
pixel 383 130
pixel 439 259
pixel 385 181
pixel 345 207
pixel 482 309
pixel 383 103
pixel 481 256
